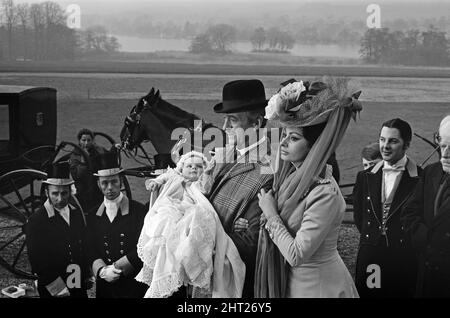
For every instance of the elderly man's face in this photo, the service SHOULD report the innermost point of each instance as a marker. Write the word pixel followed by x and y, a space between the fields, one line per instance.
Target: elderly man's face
pixel 58 195
pixel 240 129
pixel 444 144
pixel 110 186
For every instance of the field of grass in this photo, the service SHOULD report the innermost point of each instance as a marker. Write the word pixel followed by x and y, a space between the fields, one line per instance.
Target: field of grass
pixel 385 99
pixel 225 68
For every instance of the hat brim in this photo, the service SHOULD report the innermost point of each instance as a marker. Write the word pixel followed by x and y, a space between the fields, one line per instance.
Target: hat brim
pixel 108 172
pixel 219 108
pixel 58 182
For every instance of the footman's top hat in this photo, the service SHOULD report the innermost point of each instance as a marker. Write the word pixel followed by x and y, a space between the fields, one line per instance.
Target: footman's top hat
pixel 58 173
pixel 241 96
pixel 108 164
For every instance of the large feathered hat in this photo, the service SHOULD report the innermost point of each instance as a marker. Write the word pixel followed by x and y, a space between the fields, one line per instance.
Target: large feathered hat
pixel 307 103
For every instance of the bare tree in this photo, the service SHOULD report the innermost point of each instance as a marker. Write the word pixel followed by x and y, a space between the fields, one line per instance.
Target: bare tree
pixel 38 23
pixel 23 14
pixel 222 36
pixel 258 39
pixel 10 14
pixel 54 18
pixel 96 40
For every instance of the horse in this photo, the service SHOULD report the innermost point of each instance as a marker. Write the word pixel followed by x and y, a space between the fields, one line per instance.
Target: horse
pixel 155 119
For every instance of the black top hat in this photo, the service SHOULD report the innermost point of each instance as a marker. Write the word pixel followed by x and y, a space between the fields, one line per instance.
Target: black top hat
pixel 241 96
pixel 108 164
pixel 58 173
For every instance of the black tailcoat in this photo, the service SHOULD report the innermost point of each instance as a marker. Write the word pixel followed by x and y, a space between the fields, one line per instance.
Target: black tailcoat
pixel 429 231
pixel 111 242
pixel 391 252
pixel 53 245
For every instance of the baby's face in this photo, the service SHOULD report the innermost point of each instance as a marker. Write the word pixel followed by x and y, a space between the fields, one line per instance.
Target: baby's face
pixel 193 168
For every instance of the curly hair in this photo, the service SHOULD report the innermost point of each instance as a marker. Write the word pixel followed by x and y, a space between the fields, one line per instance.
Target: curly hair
pixel 85 131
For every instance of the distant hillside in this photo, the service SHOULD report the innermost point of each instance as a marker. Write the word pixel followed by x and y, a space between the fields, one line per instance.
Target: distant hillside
pixel 339 22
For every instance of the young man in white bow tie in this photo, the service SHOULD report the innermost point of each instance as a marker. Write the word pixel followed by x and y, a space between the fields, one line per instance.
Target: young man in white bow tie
pixel 56 239
pixel 113 232
pixel 386 264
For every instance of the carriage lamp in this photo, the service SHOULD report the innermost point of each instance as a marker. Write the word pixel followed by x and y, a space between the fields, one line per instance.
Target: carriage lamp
pixel 40 119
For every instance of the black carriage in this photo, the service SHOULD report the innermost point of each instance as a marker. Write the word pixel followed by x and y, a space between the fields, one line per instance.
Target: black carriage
pixel 28 130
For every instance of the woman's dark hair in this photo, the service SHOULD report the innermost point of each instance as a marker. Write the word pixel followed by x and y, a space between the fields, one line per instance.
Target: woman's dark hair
pixel 402 126
pixel 85 131
pixel 312 133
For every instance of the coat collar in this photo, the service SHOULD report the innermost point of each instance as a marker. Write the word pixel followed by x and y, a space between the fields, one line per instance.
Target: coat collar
pixel 411 167
pixel 124 207
pixel 51 210
pixel 437 179
pixel 404 190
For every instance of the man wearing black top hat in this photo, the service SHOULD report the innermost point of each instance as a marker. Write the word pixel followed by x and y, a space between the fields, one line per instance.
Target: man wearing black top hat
pixel 113 232
pixel 56 239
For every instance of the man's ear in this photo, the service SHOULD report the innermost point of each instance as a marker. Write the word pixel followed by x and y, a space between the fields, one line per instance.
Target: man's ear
pixel 259 122
pixel 46 191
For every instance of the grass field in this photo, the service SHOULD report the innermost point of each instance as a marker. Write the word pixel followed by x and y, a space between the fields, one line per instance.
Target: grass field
pixel 420 102
pixel 247 68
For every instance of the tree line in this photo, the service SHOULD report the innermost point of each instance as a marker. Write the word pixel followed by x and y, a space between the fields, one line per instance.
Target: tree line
pixel 39 31
pixel 219 39
pixel 413 47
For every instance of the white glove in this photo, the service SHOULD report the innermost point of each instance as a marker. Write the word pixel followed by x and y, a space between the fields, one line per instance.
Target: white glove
pixel 110 273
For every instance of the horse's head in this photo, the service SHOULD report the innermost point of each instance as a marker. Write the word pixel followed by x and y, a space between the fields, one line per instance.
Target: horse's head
pixel 132 133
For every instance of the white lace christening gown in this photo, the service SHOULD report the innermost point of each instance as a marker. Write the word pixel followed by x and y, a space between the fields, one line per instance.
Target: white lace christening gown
pixel 177 241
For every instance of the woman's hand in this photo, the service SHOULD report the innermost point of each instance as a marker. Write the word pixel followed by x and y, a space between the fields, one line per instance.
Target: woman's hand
pixel 151 185
pixel 240 225
pixel 267 203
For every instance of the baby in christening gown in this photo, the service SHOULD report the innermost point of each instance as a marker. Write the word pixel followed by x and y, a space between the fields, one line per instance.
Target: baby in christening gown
pixel 178 240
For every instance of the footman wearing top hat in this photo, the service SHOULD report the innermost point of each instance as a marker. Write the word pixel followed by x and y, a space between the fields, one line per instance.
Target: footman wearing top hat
pixel 113 231
pixel 56 239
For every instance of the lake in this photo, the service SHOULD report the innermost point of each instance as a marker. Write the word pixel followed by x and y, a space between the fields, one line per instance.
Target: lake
pixel 136 44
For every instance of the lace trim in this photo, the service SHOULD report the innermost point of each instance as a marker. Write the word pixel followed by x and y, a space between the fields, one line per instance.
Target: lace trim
pixel 273 224
pixel 192 248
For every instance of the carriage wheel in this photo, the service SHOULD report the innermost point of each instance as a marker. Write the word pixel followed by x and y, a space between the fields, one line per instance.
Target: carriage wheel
pixel 20 197
pixel 38 158
pixel 107 137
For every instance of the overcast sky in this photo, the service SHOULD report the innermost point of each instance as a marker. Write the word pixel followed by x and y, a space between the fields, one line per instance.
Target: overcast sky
pixel 177 10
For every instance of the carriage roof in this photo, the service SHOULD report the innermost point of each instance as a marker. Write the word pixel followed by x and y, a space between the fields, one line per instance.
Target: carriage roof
pixel 15 90
pixel 28 118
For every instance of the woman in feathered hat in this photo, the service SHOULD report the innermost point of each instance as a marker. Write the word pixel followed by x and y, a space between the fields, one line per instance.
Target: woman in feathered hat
pixel 297 249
